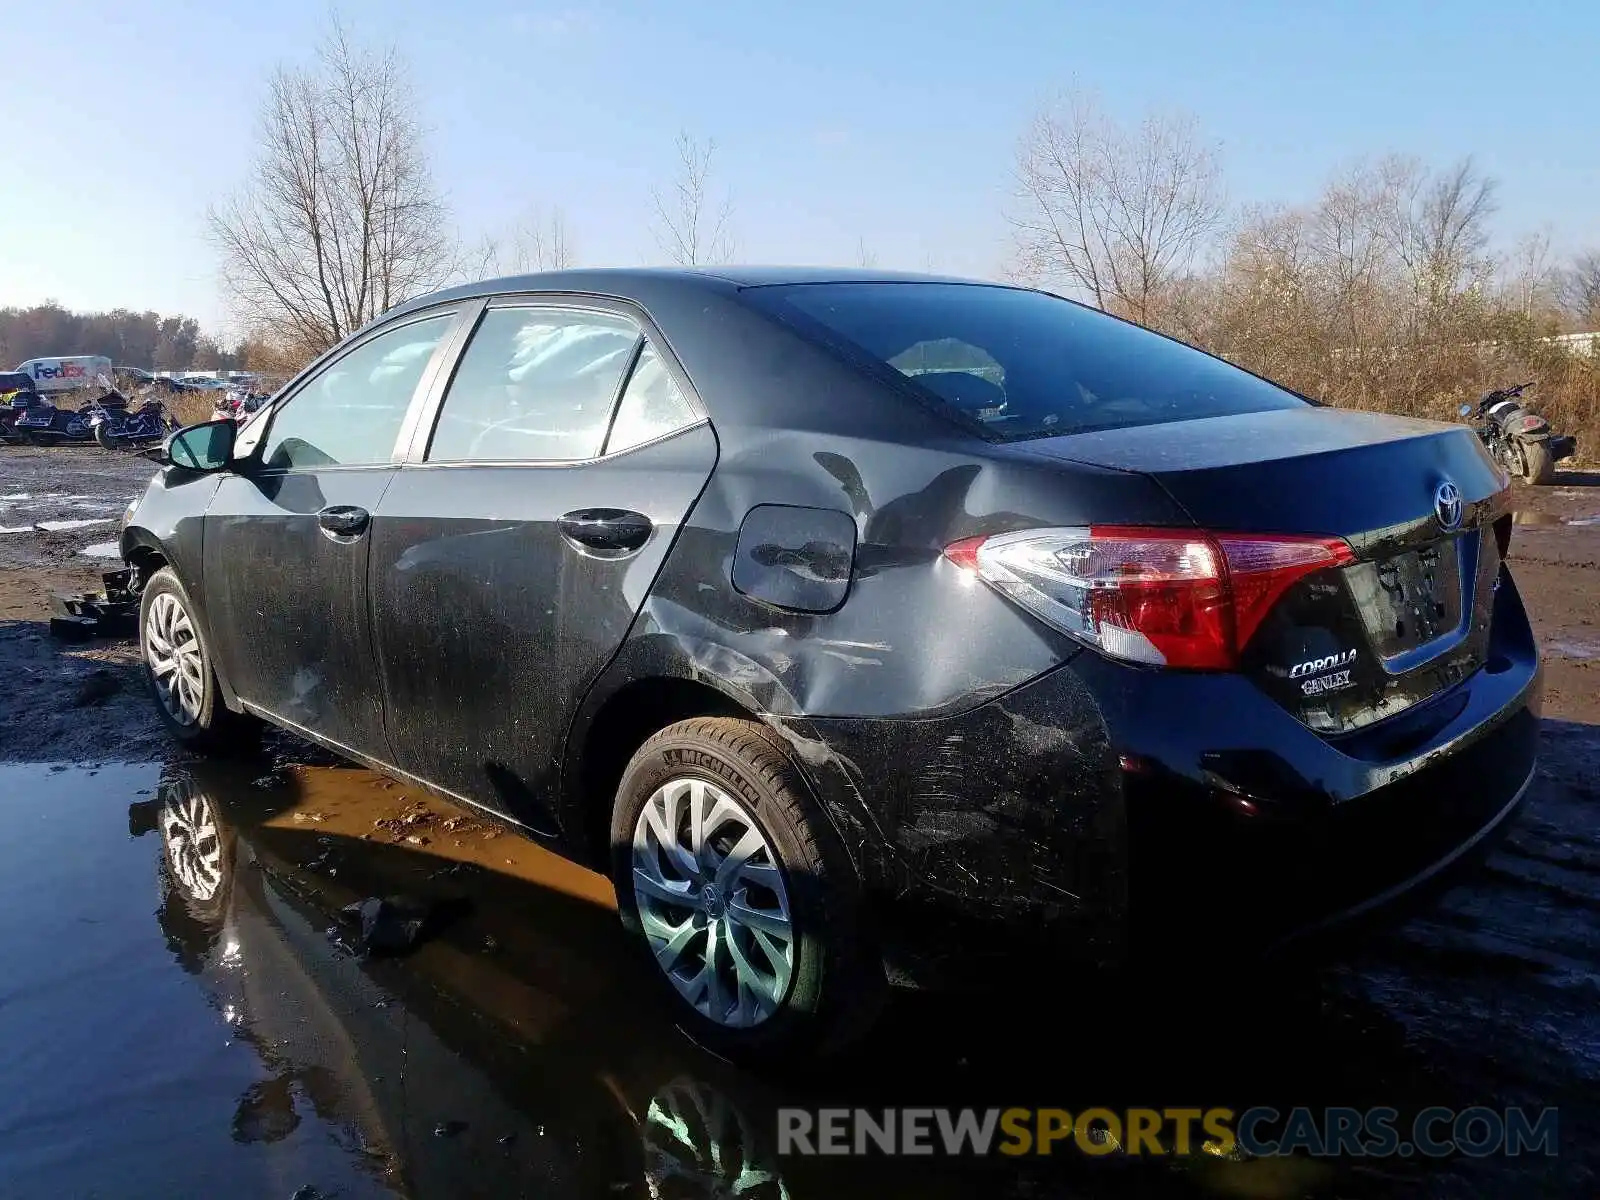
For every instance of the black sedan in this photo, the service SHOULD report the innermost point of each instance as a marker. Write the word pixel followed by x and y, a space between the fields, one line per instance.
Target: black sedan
pixel 863 628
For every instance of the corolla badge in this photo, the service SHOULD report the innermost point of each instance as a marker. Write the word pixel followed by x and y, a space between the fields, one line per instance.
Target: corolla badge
pixel 1447 505
pixel 1315 666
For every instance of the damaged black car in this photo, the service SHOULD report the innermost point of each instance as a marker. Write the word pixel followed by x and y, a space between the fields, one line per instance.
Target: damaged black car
pixel 865 629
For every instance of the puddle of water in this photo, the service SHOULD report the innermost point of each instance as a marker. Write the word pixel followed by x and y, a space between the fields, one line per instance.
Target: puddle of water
pixel 74 523
pixel 121 1065
pixel 173 1010
pixel 103 550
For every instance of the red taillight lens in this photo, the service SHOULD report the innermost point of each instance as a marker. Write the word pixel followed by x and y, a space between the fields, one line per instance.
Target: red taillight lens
pixel 1174 597
pixel 1261 569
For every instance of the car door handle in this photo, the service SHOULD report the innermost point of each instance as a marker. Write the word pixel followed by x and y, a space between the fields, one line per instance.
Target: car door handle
pixel 343 520
pixel 613 530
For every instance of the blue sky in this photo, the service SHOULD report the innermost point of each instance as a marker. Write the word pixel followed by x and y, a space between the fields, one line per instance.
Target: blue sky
pixel 876 121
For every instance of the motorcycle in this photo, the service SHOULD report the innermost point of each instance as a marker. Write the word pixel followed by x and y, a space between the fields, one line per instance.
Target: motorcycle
pixel 114 427
pixel 238 405
pixel 16 397
pixel 1519 440
pixel 104 419
pixel 44 424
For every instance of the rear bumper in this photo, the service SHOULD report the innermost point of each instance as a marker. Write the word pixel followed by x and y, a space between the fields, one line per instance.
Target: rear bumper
pixel 1256 880
pixel 1123 814
pixel 1438 875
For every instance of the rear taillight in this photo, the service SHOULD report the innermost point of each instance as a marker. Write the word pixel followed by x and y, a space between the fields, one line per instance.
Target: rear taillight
pixel 1172 597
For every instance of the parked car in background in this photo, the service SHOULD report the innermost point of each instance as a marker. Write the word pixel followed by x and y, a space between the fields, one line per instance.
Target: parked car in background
pixel 164 383
pixel 848 620
pixel 14 384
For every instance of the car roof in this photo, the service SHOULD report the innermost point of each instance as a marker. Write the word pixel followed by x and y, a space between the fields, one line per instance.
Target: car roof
pixel 636 283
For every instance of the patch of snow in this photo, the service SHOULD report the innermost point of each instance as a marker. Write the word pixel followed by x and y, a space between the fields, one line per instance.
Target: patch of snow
pixel 76 523
pixel 103 550
pixel 1574 649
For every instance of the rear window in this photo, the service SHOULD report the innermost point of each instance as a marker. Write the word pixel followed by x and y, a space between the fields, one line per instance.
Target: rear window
pixel 1019 363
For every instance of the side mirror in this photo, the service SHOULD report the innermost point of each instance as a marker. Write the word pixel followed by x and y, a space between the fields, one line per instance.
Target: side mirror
pixel 1465 410
pixel 204 447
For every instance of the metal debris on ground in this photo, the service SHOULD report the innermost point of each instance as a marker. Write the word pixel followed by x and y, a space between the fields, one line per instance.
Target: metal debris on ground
pixel 391 925
pixel 111 612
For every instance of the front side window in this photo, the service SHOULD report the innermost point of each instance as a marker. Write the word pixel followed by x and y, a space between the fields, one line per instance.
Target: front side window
pixel 350 414
pixel 1019 363
pixel 535 385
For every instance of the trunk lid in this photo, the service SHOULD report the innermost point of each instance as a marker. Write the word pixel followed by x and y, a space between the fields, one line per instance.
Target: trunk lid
pixel 1410 617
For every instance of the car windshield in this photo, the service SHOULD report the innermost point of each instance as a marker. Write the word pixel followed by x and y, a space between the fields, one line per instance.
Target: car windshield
pixel 1023 364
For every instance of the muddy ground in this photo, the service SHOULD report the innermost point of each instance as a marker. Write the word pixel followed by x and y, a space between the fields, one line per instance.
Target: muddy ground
pixel 1491 998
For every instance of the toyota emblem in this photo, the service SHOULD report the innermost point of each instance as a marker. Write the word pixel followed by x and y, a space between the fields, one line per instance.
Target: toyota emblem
pixel 1447 505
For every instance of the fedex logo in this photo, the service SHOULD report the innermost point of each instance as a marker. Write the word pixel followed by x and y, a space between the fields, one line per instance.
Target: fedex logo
pixel 65 371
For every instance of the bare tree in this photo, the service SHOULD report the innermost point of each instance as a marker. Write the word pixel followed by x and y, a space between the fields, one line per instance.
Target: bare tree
pixel 690 227
pixel 540 241
pixel 864 255
pixel 1580 291
pixel 550 246
pixel 341 220
pixel 1531 281
pixel 1440 226
pixel 1117 214
pixel 1352 248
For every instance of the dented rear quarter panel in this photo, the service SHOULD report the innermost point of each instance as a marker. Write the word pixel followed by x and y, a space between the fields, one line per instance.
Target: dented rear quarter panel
pixel 899 699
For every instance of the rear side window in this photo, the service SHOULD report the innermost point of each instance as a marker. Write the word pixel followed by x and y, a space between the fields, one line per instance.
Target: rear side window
pixel 652 405
pixel 535 385
pixel 1022 364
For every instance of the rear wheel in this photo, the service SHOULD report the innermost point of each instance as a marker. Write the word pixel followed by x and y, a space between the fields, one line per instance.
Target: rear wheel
pixel 734 881
pixel 1537 465
pixel 178 667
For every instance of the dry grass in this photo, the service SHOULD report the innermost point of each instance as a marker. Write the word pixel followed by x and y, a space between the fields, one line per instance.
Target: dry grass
pixel 190 408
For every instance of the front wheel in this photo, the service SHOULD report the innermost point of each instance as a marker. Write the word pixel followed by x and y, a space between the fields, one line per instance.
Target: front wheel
pixel 178 667
pixel 1538 466
pixel 102 434
pixel 733 879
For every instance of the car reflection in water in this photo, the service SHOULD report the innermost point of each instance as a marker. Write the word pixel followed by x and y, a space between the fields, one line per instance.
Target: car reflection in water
pixel 483 1063
pixel 510 1052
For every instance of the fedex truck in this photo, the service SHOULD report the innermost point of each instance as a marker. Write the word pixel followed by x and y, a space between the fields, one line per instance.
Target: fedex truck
pixel 65 374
